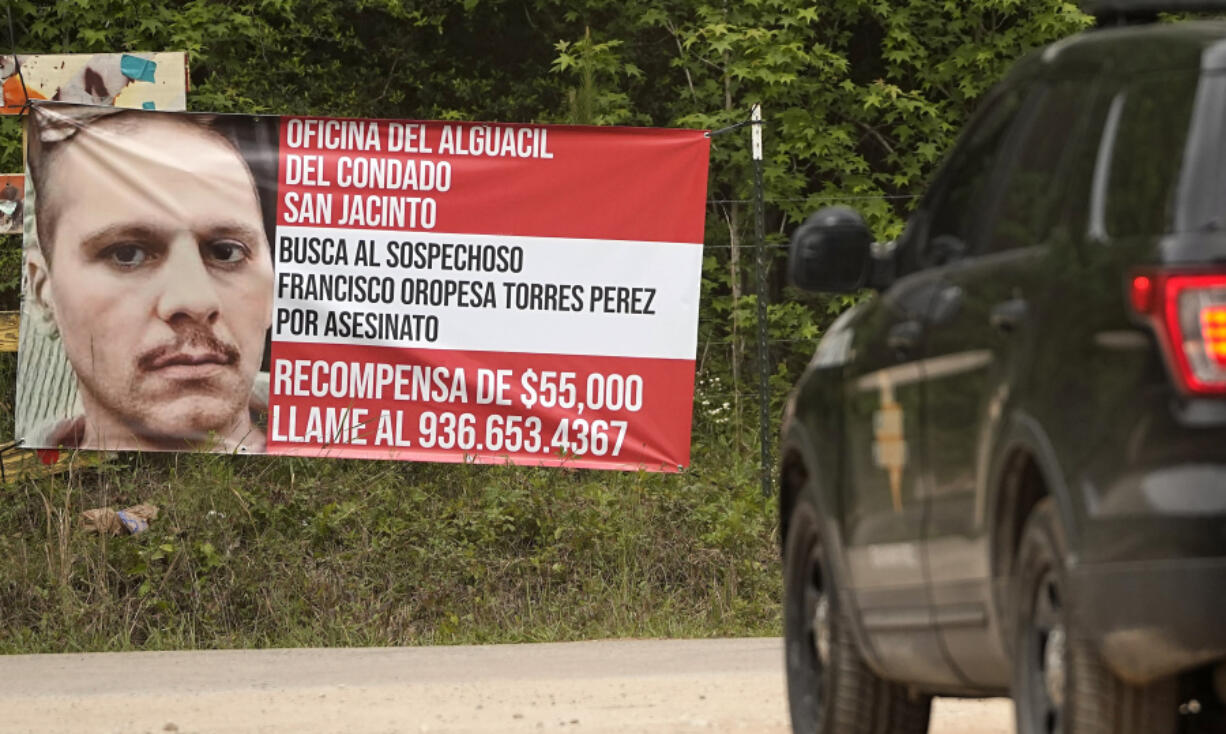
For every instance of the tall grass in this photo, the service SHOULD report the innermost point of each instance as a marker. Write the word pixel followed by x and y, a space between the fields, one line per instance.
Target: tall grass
pixel 271 552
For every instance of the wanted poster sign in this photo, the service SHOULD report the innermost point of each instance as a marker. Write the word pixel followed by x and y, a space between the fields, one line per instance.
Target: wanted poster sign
pixel 430 291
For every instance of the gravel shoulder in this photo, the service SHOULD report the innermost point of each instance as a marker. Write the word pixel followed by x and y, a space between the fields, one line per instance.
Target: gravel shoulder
pixel 654 686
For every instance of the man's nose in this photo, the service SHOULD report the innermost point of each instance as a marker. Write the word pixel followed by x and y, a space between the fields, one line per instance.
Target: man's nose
pixel 188 289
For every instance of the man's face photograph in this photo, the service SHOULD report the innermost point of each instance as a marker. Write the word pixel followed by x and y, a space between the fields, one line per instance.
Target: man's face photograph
pixel 156 270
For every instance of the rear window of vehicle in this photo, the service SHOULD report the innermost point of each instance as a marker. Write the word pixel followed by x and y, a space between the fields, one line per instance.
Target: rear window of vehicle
pixel 1142 154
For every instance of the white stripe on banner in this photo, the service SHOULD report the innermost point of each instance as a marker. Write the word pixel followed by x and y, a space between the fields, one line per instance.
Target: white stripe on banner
pixel 487 293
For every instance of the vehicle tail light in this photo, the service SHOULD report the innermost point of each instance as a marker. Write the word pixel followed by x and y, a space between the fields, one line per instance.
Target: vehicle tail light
pixel 1213 327
pixel 1189 312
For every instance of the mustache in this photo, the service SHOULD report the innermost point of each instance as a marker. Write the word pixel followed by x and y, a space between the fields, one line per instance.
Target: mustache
pixel 193 346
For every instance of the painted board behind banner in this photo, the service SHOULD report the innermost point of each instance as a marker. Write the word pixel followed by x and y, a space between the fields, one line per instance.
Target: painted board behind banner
pixel 12 200
pixel 366 288
pixel 134 80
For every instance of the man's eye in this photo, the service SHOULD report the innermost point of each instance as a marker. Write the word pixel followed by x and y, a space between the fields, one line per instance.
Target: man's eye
pixel 128 256
pixel 226 251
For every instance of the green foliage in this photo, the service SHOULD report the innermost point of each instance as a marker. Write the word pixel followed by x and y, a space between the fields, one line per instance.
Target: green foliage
pixel 284 552
pixel 591 104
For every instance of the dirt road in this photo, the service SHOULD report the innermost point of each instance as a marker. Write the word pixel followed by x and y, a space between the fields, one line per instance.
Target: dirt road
pixel 656 687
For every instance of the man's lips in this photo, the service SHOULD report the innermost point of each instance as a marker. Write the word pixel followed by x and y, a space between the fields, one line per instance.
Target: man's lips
pixel 189 359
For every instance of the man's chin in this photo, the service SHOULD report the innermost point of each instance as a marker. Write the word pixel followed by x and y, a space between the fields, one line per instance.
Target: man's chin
pixel 194 420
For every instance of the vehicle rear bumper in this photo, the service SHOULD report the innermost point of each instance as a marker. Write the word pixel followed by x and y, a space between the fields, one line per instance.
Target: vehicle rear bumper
pixel 1153 618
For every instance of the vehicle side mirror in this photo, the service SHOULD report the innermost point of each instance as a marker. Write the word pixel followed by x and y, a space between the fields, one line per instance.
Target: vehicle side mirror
pixel 831 252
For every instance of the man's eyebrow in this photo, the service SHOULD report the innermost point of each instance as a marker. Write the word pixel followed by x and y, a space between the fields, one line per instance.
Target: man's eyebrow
pixel 146 233
pixel 233 228
pixel 118 231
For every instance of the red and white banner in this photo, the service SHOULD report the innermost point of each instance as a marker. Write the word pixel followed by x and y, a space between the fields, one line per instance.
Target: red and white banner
pixel 470 292
pixel 362 288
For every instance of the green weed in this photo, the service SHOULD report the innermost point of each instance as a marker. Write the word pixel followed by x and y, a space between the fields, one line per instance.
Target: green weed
pixel 272 552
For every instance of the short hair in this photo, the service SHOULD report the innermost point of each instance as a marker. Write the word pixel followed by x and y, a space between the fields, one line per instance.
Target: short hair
pixel 53 129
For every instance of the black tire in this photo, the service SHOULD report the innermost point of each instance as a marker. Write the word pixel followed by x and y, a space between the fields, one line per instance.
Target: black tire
pixel 834 691
pixel 1060 683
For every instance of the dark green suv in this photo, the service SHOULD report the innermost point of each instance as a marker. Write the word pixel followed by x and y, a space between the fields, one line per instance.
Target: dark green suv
pixel 1004 473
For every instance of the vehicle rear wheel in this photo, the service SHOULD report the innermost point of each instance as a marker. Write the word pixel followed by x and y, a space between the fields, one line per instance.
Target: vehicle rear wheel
pixel 1060 683
pixel 830 689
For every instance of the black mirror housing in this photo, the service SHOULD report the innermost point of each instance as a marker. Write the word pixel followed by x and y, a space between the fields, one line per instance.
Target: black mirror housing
pixel 831 252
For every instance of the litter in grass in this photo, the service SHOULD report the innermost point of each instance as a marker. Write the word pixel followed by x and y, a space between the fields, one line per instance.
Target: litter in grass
pixel 132 520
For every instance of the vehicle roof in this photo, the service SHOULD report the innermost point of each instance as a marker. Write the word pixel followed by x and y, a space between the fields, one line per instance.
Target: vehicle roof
pixel 1108 7
pixel 1131 49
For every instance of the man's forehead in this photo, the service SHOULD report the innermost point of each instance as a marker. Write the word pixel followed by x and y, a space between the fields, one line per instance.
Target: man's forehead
pixel 160 172
pixel 147 145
